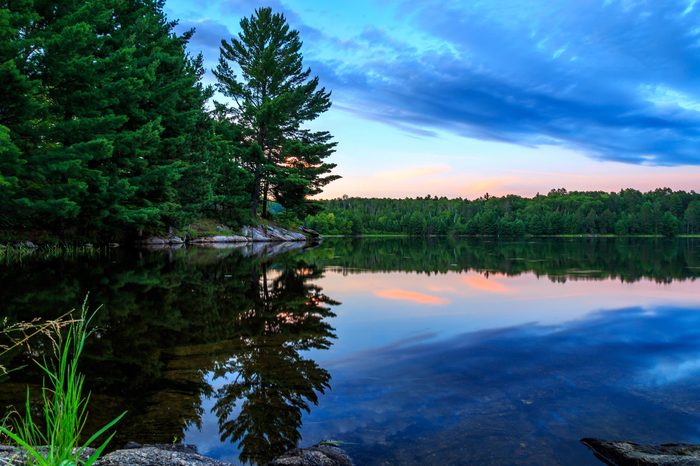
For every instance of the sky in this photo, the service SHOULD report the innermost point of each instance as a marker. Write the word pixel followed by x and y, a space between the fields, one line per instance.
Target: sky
pixel 463 98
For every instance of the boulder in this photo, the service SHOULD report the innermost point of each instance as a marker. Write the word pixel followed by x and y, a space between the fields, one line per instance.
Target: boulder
pixel 134 454
pixel 319 455
pixel 623 453
pixel 161 455
pixel 142 455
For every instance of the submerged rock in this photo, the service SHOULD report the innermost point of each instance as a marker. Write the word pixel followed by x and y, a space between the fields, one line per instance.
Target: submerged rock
pixel 633 454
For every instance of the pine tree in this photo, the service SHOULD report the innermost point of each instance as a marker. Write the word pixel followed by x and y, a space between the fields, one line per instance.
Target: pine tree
pixel 272 99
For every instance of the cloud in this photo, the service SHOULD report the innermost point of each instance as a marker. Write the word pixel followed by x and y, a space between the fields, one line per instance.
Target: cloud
pixel 612 79
pixel 615 81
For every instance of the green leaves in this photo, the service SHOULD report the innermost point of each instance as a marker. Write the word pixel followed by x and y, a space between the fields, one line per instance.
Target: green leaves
pixel 273 98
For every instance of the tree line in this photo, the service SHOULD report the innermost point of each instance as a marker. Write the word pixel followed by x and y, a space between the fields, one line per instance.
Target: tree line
pixel 560 212
pixel 107 130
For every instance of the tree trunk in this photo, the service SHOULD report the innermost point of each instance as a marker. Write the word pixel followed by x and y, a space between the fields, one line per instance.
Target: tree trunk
pixel 264 199
pixel 255 197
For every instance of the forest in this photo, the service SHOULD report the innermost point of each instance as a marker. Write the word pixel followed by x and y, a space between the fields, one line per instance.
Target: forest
pixel 107 130
pixel 629 212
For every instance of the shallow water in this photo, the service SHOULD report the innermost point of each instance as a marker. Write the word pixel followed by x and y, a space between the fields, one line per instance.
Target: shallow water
pixel 412 351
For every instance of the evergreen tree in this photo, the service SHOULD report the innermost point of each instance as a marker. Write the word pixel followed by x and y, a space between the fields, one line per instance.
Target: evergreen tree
pixel 272 99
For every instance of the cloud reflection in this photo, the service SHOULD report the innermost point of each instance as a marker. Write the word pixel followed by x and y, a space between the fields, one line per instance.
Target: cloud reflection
pixel 524 394
pixel 412 296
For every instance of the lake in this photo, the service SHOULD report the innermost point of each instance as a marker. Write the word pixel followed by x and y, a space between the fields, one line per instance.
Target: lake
pixel 411 351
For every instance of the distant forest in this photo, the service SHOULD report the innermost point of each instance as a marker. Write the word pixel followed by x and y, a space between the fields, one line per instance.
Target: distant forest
pixel 629 212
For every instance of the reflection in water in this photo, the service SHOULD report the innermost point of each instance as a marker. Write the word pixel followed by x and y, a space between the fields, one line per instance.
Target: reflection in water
pixel 216 344
pixel 266 372
pixel 169 319
pixel 524 394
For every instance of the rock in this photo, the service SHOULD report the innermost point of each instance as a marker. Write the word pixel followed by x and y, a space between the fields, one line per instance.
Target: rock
pixel 255 234
pixel 181 447
pixel 26 244
pixel 147 455
pixel 141 455
pixel 629 453
pixel 319 455
pixel 16 456
pixel 310 232
pixel 135 454
pixel 113 245
pixel 174 239
pixel 220 239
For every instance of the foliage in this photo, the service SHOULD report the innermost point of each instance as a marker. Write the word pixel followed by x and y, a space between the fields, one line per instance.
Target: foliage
pixel 629 212
pixel 64 409
pixel 105 128
pixel 273 97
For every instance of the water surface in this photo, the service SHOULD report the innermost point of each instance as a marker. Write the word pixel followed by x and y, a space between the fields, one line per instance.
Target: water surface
pixel 412 351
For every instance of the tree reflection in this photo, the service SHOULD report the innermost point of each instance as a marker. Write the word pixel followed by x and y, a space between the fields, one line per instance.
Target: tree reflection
pixel 270 384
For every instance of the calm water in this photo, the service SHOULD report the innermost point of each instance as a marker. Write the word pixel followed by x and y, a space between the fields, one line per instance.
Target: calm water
pixel 411 351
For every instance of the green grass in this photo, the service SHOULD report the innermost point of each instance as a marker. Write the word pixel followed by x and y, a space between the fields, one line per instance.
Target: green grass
pixel 64 408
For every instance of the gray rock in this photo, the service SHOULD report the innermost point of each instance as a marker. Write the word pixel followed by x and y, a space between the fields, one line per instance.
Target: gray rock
pixel 174 239
pixel 26 244
pixel 258 234
pixel 629 453
pixel 15 456
pixel 220 239
pixel 153 455
pixel 143 455
pixel 319 455
pixel 113 245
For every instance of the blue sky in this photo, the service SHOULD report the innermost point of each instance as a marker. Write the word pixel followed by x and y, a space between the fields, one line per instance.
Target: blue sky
pixel 463 98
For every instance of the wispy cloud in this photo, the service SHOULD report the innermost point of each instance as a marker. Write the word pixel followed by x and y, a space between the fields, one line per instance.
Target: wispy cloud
pixel 612 79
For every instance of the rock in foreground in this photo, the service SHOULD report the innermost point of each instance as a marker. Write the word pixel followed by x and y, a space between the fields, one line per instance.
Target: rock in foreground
pixel 134 454
pixel 633 454
pixel 141 455
pixel 320 455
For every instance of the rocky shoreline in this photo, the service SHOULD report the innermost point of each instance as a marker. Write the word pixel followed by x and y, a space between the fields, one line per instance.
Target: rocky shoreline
pixel 249 234
pixel 134 454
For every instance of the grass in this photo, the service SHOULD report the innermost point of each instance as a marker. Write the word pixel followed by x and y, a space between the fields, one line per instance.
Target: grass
pixel 64 408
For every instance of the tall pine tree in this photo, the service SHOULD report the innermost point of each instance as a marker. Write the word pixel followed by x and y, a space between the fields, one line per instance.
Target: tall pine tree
pixel 273 98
